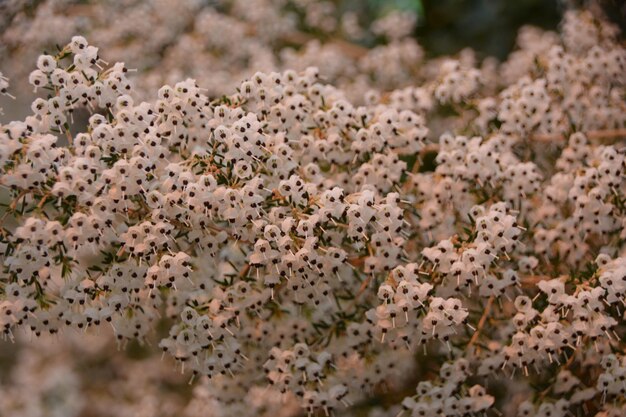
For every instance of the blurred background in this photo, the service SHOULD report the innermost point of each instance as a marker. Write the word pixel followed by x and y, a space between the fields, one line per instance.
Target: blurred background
pixel 488 26
pixel 444 26
pixel 147 34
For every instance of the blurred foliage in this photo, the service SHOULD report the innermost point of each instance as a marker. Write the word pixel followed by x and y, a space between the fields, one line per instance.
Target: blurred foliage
pixel 447 26
pixel 488 26
pixel 384 6
pixel 616 11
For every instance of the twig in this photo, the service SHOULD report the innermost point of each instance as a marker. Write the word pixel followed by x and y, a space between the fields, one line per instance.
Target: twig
pixel 364 286
pixel 349 49
pixel 592 134
pixel 481 322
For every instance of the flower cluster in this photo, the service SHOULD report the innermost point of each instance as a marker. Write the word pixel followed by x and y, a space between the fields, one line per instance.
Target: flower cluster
pixel 293 245
pixel 449 396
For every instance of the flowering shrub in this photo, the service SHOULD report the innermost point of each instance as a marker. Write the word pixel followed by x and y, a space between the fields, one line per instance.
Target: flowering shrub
pixel 455 229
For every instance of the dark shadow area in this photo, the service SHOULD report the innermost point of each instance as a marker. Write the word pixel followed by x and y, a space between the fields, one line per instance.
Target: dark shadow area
pixel 487 26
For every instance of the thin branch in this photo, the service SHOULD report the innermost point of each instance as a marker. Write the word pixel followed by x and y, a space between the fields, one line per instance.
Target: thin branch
pixel 591 134
pixel 481 322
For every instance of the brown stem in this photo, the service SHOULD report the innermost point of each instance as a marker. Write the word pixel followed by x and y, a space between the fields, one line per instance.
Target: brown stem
pixel 481 322
pixel 592 134
pixel 363 286
pixel 350 49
